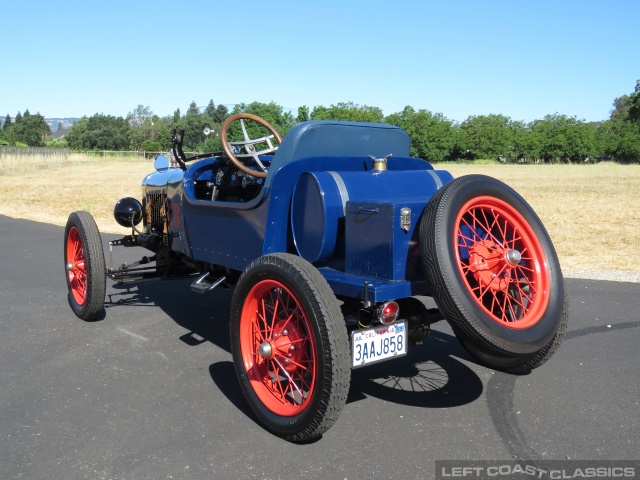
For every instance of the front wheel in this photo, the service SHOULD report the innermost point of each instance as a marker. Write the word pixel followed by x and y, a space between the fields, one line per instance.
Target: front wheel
pixel 84 266
pixel 290 346
pixel 494 273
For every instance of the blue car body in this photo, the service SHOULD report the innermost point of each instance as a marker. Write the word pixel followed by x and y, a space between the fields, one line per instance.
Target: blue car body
pixel 322 200
pixel 328 242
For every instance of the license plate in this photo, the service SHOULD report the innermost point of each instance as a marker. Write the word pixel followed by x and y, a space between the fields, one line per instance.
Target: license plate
pixel 376 344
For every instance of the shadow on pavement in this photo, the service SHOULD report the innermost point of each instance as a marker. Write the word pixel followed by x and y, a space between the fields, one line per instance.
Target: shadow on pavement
pixel 430 376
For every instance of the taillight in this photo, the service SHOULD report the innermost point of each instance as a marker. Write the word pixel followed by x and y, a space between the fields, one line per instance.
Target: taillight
pixel 387 312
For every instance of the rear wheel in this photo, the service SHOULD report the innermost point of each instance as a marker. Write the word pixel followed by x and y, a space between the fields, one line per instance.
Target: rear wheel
pixel 494 273
pixel 84 266
pixel 289 346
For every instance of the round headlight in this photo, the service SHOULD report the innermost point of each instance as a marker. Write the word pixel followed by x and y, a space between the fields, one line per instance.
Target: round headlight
pixel 126 209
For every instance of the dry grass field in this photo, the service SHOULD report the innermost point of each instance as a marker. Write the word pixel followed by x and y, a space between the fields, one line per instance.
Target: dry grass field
pixel 590 211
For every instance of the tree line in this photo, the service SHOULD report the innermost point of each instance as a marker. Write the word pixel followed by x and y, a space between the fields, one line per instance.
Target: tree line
pixel 434 137
pixel 25 130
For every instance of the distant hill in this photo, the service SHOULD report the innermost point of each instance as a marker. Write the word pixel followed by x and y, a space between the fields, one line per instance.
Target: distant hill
pixel 66 123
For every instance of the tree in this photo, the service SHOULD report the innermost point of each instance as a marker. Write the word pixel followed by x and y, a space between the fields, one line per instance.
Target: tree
pixel 194 124
pixel 153 129
pixel 488 136
pixel 212 144
pixel 619 140
pixel 32 130
pixel 99 132
pixel 303 114
pixel 141 127
pixel 12 137
pixel 634 104
pixel 216 114
pixel 433 136
pixel 563 138
pixel 59 125
pixel 139 115
pixel 524 144
pixel 51 142
pixel 193 108
pixel 273 113
pixel 7 123
pixel 18 117
pixel 348 111
pixel 210 110
pixel 220 114
pixel 620 108
pixel 150 146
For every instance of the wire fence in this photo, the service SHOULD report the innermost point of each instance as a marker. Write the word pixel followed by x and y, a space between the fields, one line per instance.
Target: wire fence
pixel 142 154
pixel 63 153
pixel 31 151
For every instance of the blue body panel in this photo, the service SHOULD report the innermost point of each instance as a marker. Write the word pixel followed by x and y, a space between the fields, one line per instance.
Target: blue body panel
pixel 376 245
pixel 328 138
pixel 344 217
pixel 225 233
pixel 378 290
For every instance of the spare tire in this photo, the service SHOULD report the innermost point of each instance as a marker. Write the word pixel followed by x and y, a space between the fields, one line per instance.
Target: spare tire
pixel 494 272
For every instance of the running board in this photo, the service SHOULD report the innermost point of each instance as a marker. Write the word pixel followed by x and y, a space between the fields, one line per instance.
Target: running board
pixel 203 284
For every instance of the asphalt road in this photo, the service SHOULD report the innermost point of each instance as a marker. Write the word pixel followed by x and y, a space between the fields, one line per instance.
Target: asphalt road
pixel 149 392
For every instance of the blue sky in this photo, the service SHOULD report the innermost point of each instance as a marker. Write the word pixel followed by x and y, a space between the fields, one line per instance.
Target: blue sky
pixel 523 59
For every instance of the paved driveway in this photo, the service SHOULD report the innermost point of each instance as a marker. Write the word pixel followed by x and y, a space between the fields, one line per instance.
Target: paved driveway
pixel 150 392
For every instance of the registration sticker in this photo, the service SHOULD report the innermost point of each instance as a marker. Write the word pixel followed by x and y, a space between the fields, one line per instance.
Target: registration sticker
pixel 377 344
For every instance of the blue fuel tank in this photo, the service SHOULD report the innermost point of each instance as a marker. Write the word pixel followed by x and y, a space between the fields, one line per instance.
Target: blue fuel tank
pixel 361 206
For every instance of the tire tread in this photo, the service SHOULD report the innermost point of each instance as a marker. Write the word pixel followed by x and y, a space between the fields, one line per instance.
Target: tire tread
pixel 96 269
pixel 443 282
pixel 334 335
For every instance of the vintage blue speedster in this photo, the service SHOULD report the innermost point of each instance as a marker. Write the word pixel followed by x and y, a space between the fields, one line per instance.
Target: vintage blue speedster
pixel 329 236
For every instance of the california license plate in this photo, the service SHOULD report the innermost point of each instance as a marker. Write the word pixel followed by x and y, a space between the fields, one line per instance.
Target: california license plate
pixel 377 344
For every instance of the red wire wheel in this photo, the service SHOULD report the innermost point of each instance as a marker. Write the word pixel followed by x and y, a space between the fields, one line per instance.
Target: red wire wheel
pixel 76 267
pixel 494 273
pixel 84 266
pixel 278 348
pixel 290 346
pixel 502 262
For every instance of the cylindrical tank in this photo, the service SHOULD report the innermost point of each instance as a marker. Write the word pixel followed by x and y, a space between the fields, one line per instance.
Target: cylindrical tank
pixel 320 199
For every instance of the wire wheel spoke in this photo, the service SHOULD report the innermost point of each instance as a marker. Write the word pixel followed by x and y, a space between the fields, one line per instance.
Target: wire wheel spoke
pixel 501 261
pixel 76 266
pixel 278 348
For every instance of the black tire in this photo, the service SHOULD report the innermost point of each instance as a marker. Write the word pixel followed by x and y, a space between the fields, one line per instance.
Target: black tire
pixel 494 273
pixel 84 266
pixel 521 363
pixel 296 393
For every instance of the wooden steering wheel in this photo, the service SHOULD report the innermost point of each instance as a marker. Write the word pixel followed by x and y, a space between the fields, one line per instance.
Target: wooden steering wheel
pixel 248 145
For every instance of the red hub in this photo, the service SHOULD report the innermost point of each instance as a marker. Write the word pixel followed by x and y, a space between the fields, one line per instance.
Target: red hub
pixel 502 262
pixel 283 343
pixel 492 264
pixel 278 348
